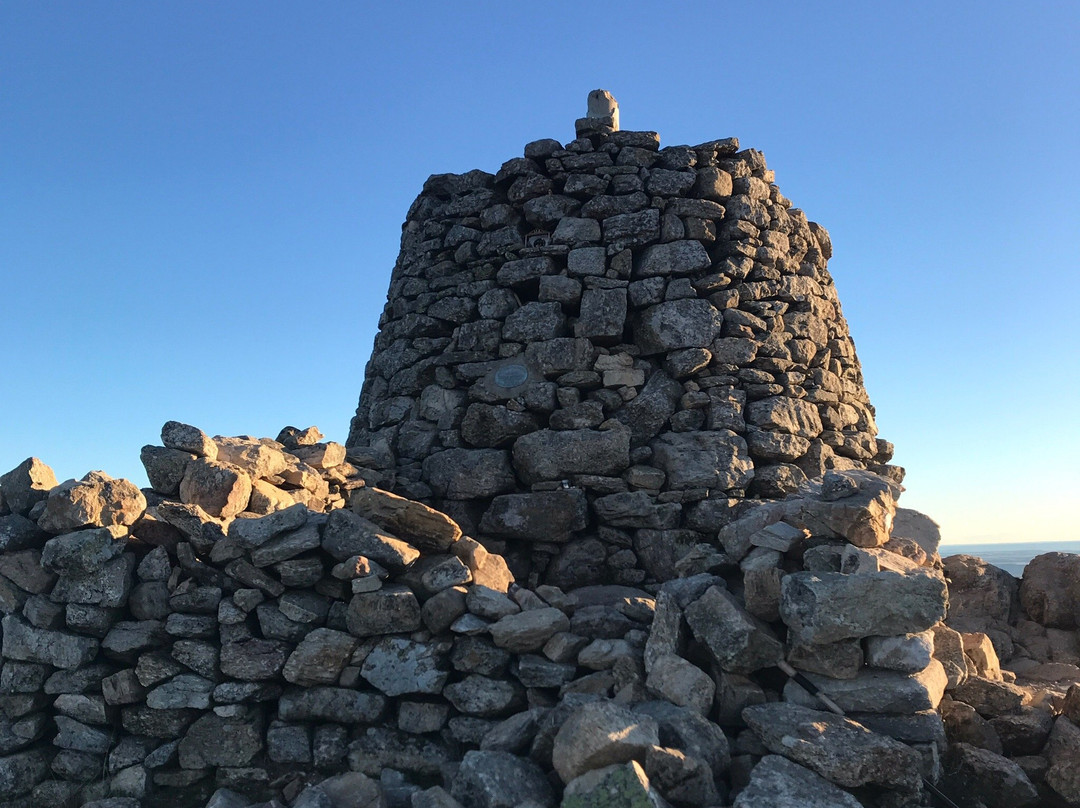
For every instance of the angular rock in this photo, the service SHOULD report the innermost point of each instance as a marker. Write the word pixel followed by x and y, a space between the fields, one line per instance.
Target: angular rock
pixel 675 324
pixel 970 773
pixel 621 784
pixel 84 551
pixel 715 460
pixel 97 500
pixel 396 666
pixel 428 529
pixel 546 516
pixel 681 683
pixel 220 489
pixel 26 485
pixel 186 438
pixel 1050 590
pixel 528 631
pixel 346 535
pixel 488 779
pixel 216 741
pixel 738 642
pixel 777 781
pixel 827 607
pixel 556 455
pixel 482 696
pixel 319 658
pixel 469 473
pixel 336 704
pixel 390 610
pixel 601 733
pixel 56 648
pixel 981 596
pixel 908 653
pixel 837 748
pixel 877 691
pixel 672 259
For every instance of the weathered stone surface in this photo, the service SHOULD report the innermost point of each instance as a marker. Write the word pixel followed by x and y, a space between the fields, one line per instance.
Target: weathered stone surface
pixel 738 642
pixel 989 697
pixel 256 458
pixel 826 607
pixel 650 410
pixel 106 588
pixel 184 691
pixel 777 781
pixel 1050 590
pixel 681 683
pixel 601 733
pixel 970 773
pixel 528 631
pixel 469 473
pixel 675 324
pixel 920 528
pixel 26 485
pixel 428 529
pixel 877 691
pixel 715 460
pixel 908 653
pixel 95 500
pixel 346 535
pixel 672 259
pixel 863 515
pixel 482 696
pixel 187 438
pixel 319 658
pixel 620 784
pixel 252 533
pixel 495 426
pixel 555 455
pixel 20 772
pixel 216 741
pixel 390 610
pixel 980 594
pixel 837 748
pixel 549 516
pixel 19 533
pixel 253 660
pixel 602 316
pixel 57 648
pixel 337 704
pixel 220 489
pixel 396 666
pixel 84 551
pixel 949 651
pixel 489 779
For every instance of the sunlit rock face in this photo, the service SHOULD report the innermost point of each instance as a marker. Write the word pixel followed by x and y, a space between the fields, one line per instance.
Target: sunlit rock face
pixel 617 320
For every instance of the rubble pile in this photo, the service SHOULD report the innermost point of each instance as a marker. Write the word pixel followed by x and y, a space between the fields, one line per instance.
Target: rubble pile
pixel 173 646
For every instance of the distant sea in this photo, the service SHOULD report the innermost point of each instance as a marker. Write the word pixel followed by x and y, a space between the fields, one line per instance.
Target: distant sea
pixel 1010 556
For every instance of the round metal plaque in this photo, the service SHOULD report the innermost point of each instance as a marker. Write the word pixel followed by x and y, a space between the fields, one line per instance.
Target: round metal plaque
pixel 511 375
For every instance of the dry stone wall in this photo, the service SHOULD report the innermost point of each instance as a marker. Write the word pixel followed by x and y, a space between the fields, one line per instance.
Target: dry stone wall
pixel 267 630
pixel 595 354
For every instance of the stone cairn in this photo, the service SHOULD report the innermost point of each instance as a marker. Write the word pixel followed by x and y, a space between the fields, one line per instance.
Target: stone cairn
pixel 590 358
pixel 264 626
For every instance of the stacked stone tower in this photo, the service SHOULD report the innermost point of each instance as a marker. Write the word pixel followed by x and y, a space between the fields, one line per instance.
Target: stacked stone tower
pixel 591 358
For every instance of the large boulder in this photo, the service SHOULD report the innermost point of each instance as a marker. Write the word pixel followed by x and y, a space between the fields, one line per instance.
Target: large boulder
pixel 621 785
pixel 877 691
pixel 1050 590
pixel 981 596
pixel 972 774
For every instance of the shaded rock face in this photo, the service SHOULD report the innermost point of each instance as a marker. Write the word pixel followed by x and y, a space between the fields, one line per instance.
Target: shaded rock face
pixel 609 317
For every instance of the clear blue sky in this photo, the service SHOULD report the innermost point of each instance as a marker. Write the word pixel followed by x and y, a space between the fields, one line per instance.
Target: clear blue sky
pixel 200 204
